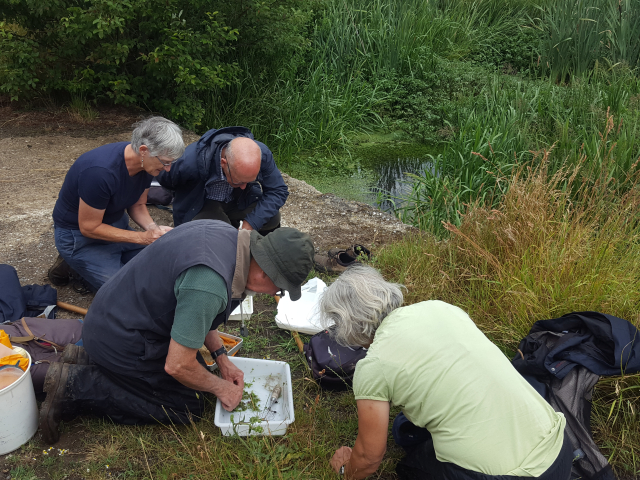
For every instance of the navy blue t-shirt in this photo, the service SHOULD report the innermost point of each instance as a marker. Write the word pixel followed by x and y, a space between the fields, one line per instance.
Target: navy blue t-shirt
pixel 100 177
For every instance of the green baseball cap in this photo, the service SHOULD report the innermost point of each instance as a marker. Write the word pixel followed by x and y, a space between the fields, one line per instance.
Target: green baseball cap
pixel 286 256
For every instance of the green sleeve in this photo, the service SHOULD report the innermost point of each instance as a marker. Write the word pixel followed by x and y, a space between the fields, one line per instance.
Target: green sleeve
pixel 201 294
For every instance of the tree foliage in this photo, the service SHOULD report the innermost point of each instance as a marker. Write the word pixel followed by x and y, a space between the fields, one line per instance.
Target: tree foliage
pixel 160 53
pixel 165 55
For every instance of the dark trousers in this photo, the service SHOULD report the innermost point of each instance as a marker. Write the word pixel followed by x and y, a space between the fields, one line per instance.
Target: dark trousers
pixel 421 462
pixel 132 401
pixel 229 213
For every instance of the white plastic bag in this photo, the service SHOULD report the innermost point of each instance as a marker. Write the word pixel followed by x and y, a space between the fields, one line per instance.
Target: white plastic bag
pixel 302 315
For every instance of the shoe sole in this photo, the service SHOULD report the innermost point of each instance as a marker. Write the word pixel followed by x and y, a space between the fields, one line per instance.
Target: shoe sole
pixel 48 427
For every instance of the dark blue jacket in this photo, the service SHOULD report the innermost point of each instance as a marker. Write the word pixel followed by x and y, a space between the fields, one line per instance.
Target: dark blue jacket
pixel 201 161
pixel 604 344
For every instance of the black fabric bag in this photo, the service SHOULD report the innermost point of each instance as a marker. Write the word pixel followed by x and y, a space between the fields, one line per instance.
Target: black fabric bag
pixel 158 195
pixel 332 365
pixel 28 301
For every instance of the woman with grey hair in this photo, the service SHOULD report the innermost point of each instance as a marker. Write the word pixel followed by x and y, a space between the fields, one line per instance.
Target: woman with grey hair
pixel 467 414
pixel 92 232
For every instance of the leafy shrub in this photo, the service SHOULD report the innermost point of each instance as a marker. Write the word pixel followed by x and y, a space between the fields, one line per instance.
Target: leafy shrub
pixel 516 53
pixel 425 103
pixel 163 54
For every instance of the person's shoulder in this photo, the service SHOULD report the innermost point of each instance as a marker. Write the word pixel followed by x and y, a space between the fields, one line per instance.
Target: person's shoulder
pixel 433 307
pixel 103 156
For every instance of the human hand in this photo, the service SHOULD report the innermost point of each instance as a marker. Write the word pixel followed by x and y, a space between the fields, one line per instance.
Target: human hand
pixel 165 228
pixel 151 235
pixel 246 226
pixel 230 396
pixel 340 458
pixel 230 372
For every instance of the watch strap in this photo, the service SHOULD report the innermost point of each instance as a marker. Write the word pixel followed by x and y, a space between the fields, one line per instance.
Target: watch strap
pixel 218 352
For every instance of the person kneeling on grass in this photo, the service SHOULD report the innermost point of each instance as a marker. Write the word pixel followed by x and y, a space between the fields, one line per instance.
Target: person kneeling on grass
pixel 92 232
pixel 140 362
pixel 467 414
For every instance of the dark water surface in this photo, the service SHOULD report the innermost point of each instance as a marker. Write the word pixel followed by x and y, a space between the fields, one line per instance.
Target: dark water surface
pixel 390 182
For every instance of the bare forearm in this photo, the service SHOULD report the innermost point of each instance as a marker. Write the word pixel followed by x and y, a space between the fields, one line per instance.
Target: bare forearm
pixel 140 214
pixel 199 378
pixel 113 234
pixel 359 466
pixel 212 341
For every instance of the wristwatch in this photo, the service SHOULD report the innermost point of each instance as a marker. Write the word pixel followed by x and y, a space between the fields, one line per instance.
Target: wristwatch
pixel 341 471
pixel 218 352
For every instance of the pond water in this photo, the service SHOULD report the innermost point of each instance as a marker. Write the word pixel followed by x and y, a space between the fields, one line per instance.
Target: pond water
pixel 389 182
pixel 380 176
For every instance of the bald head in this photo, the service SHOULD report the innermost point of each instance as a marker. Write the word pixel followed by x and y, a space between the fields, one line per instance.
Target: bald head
pixel 241 160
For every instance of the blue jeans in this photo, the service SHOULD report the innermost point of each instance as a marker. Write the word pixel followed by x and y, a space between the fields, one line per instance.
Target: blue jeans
pixel 96 261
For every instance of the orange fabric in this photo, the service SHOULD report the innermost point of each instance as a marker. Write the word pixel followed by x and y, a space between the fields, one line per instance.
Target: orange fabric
pixel 4 339
pixel 14 359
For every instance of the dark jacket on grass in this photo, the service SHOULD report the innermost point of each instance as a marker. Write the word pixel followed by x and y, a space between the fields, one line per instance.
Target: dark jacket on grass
pixel 201 162
pixel 563 358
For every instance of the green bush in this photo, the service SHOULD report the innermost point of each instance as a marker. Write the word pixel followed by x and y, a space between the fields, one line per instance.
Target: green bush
pixel 162 54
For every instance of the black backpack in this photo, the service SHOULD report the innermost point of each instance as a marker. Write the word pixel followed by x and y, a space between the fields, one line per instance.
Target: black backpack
pixel 332 365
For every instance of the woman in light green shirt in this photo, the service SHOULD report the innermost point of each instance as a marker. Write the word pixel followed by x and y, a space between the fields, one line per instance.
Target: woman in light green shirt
pixel 477 417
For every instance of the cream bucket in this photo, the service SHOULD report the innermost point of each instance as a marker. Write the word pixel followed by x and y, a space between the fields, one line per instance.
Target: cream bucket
pixel 18 413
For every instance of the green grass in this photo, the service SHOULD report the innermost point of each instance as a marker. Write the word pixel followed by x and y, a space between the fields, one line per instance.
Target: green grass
pixel 552 244
pixel 324 421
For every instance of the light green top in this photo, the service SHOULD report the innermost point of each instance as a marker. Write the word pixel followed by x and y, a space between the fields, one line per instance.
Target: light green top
pixel 432 360
pixel 201 294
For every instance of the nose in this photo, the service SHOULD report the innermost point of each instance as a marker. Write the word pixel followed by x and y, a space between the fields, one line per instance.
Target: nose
pixel 166 168
pixel 243 186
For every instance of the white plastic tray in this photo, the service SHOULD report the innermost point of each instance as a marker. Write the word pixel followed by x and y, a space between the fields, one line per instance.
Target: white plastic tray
pixel 264 376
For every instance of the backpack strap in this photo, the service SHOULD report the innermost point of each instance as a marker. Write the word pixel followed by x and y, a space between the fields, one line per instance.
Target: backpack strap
pixel 31 337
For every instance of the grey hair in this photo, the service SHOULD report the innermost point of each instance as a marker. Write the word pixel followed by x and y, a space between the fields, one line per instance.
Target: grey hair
pixel 356 303
pixel 161 136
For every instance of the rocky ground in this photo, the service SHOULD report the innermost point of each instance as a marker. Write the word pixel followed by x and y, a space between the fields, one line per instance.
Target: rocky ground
pixel 37 149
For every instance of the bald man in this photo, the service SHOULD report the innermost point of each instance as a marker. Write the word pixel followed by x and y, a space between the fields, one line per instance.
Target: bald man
pixel 228 176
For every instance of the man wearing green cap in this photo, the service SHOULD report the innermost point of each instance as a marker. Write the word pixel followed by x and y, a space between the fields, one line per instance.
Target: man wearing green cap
pixel 140 361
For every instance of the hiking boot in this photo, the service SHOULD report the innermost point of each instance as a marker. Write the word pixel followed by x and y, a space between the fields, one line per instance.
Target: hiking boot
pixel 81 286
pixel 334 261
pixel 55 386
pixel 60 272
pixel 75 354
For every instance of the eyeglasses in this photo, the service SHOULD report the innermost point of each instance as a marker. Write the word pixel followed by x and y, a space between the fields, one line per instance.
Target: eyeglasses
pixel 164 164
pixel 231 182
